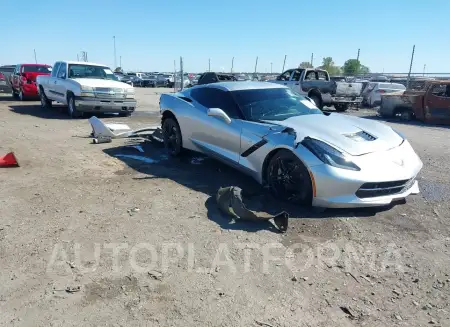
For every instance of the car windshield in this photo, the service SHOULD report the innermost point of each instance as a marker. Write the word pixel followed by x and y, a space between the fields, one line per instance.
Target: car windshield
pixel 37 69
pixel 273 104
pixel 90 71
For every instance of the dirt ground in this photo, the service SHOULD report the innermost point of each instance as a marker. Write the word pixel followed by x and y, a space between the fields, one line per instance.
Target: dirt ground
pixel 91 237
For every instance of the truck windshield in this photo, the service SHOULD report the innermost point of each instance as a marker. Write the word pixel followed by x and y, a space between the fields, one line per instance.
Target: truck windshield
pixel 37 69
pixel 89 71
pixel 273 104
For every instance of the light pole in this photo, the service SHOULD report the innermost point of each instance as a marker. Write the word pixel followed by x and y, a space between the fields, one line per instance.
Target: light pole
pixel 232 65
pixel 115 58
pixel 120 60
pixel 271 68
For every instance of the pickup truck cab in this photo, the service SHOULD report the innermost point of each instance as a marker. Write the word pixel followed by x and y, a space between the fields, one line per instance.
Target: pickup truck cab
pixel 316 84
pixel 86 87
pixel 23 80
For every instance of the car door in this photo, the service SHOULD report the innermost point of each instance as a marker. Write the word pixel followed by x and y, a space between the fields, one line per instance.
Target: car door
pixel 50 85
pixel 212 134
pixel 59 88
pixel 285 77
pixel 294 82
pixel 437 103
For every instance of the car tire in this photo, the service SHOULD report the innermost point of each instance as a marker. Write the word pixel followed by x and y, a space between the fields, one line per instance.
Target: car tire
pixel 172 137
pixel 45 102
pixel 406 115
pixel 14 94
pixel 288 178
pixel 72 107
pixel 317 100
pixel 341 107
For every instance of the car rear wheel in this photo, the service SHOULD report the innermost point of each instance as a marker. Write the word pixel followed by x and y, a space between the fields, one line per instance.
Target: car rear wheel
pixel 71 107
pixel 45 102
pixel 288 178
pixel 172 136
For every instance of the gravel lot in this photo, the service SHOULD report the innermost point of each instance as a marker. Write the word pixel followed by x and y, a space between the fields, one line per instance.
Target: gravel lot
pixel 91 239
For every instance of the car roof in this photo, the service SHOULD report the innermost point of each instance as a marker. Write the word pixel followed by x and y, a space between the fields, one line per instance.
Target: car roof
pixel 84 63
pixel 40 65
pixel 240 86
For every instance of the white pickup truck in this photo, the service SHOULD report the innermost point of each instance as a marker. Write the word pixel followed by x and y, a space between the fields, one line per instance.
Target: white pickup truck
pixel 85 87
pixel 316 84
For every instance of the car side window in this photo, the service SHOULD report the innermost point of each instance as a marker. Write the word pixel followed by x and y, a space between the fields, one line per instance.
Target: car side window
pixel 297 74
pixel 17 70
pixel 62 70
pixel 285 76
pixel 55 69
pixel 311 76
pixel 215 98
pixel 322 75
pixel 208 78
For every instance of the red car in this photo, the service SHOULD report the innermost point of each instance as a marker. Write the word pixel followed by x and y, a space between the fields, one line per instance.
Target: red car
pixel 23 79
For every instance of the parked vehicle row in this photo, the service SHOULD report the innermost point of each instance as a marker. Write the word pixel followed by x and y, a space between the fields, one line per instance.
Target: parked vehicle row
pixel 23 80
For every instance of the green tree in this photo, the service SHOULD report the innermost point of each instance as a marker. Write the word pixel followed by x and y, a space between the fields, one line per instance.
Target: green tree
pixel 118 70
pixel 330 67
pixel 305 64
pixel 364 70
pixel 351 67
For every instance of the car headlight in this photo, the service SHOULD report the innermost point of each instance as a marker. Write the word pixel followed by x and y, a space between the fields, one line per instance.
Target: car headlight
pixel 87 91
pixel 329 155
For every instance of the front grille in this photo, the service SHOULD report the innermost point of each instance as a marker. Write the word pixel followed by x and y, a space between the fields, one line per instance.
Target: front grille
pixel 371 190
pixel 110 93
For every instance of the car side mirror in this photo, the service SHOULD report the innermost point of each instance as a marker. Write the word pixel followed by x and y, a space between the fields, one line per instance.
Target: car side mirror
pixel 63 76
pixel 219 113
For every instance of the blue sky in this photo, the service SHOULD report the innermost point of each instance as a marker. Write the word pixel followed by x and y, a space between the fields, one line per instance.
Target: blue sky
pixel 151 34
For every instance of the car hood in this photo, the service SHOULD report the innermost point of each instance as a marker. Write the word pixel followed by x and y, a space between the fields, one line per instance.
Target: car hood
pixel 353 135
pixel 92 82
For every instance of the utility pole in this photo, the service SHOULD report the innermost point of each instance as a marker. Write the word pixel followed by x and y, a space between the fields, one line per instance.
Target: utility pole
pixel 312 59
pixel 410 66
pixel 209 64
pixel 256 64
pixel 181 73
pixel 174 75
pixel 35 55
pixel 115 58
pixel 78 57
pixel 357 57
pixel 271 68
pixel 120 60
pixel 232 65
pixel 424 67
pixel 284 63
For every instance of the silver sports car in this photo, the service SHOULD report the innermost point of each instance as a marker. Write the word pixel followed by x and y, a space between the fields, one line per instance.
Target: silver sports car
pixel 285 142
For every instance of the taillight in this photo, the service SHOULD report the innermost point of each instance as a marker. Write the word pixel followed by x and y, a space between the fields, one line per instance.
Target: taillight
pixel 2 77
pixel 381 91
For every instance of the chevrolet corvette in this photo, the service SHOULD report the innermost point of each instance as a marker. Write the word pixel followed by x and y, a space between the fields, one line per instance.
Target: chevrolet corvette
pixel 286 143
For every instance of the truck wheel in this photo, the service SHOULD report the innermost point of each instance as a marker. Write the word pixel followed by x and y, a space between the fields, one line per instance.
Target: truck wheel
pixel 406 115
pixel 317 100
pixel 45 102
pixel 71 107
pixel 341 107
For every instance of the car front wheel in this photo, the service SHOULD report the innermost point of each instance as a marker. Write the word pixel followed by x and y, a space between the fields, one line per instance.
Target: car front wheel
pixel 45 102
pixel 288 178
pixel 172 136
pixel 71 107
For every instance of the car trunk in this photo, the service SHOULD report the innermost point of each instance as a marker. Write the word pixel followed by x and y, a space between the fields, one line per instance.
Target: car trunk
pixel 348 89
